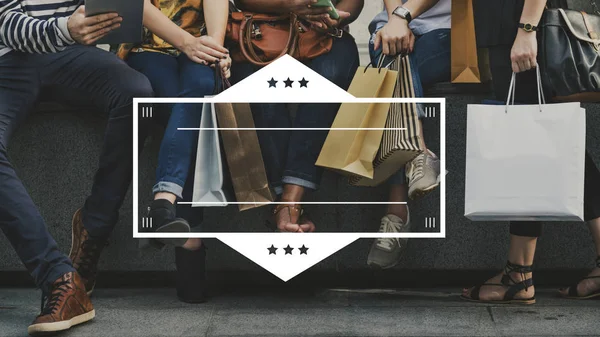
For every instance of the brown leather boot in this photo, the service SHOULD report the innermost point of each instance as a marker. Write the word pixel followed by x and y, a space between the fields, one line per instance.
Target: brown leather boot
pixel 67 305
pixel 85 253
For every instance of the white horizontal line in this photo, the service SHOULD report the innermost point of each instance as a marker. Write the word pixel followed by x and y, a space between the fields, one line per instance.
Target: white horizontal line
pixel 217 99
pixel 292 203
pixel 413 235
pixel 289 129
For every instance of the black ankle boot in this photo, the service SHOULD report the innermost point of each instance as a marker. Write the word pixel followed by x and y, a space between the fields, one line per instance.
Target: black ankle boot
pixel 191 274
pixel 163 219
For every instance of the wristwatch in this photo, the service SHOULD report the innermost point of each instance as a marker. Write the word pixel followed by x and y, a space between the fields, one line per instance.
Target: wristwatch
pixel 403 13
pixel 528 27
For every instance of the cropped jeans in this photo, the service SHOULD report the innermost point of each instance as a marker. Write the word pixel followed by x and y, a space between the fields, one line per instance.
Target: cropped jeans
pixel 430 63
pixel 290 156
pixel 175 77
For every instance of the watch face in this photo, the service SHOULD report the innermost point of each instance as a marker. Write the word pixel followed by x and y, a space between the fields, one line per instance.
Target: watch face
pixel 402 12
pixel 528 27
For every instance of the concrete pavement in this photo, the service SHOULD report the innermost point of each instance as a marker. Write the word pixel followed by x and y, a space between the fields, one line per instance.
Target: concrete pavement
pixel 156 312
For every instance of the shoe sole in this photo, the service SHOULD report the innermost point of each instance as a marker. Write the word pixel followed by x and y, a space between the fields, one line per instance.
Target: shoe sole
pixel 377 266
pixel 176 226
pixel 44 328
pixel 589 297
pixel 422 193
pixel 520 302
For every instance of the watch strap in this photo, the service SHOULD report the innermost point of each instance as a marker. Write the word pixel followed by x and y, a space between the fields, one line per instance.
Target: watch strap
pixel 528 27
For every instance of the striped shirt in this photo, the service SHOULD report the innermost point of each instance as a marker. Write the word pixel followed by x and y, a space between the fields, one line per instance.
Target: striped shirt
pixel 35 26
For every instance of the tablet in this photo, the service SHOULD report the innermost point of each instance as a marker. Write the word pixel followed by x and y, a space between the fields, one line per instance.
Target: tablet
pixel 132 12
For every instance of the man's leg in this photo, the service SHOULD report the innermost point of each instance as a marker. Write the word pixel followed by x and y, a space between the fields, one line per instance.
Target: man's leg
pixel 108 84
pixel 20 219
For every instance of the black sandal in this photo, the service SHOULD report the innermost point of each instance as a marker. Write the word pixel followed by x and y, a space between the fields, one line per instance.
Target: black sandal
pixel 507 281
pixel 573 294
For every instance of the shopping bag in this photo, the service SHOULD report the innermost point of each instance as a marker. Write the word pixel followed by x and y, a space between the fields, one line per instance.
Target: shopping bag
pixel 465 65
pixel 352 151
pixel 208 176
pixel 525 162
pixel 402 140
pixel 244 156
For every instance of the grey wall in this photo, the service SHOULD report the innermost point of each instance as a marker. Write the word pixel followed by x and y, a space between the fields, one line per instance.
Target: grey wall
pixel 55 154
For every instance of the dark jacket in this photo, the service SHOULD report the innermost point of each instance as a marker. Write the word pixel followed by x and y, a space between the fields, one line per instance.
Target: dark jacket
pixel 496 21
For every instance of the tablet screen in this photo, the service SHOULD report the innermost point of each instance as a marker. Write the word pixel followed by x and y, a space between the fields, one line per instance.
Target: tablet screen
pixel 132 12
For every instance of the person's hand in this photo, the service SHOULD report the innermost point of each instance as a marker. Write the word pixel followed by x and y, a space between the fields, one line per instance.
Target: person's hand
pixel 524 51
pixel 225 65
pixel 87 30
pixel 204 50
pixel 395 37
pixel 324 22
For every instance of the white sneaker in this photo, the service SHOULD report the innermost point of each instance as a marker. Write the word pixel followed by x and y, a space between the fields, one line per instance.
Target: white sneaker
pixel 423 174
pixel 386 252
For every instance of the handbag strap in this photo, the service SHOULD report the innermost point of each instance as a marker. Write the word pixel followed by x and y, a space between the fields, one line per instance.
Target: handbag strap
pixel 588 26
pixel 512 89
pixel 247 48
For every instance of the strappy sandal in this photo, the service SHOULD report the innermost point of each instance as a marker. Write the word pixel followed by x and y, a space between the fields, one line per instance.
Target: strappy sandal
pixel 514 287
pixel 573 294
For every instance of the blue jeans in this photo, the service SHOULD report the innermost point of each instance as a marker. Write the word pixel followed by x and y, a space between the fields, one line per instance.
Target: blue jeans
pixel 76 75
pixel 290 156
pixel 430 63
pixel 176 77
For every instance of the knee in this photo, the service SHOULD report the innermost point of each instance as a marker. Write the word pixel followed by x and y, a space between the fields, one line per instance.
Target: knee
pixel 131 84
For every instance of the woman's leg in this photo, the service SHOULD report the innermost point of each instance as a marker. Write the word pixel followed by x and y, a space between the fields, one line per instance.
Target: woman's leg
pixel 339 67
pixel 523 240
pixel 591 284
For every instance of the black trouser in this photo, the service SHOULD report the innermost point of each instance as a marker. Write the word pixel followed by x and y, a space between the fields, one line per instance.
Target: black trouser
pixel 526 93
pixel 78 74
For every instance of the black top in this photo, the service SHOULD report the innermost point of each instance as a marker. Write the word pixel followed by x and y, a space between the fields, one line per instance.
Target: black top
pixel 496 21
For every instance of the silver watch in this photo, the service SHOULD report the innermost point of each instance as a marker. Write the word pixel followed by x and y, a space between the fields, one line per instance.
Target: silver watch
pixel 403 13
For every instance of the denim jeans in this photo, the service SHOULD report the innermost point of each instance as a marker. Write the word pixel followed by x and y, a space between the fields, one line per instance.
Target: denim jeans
pixel 176 77
pixel 290 156
pixel 76 75
pixel 430 63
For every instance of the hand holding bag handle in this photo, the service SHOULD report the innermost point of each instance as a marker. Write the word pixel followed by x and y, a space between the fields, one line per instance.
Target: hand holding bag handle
pixel 510 100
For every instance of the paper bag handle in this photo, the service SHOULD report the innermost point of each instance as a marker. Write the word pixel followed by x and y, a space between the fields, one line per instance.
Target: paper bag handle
pixel 511 90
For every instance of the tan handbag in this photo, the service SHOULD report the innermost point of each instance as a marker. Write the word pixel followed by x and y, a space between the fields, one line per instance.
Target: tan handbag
pixel 262 38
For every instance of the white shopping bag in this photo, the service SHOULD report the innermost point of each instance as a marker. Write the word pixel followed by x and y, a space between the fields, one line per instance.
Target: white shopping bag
pixel 525 162
pixel 208 178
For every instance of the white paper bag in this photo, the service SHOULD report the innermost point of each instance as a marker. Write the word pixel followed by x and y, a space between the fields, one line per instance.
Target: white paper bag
pixel 208 177
pixel 525 162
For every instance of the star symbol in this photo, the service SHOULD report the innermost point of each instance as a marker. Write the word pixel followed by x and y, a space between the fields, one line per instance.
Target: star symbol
pixel 288 250
pixel 303 83
pixel 303 250
pixel 272 83
pixel 288 83
pixel 272 250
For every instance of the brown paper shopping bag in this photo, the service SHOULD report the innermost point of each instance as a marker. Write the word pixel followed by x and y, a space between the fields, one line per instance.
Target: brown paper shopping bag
pixel 465 65
pixel 244 156
pixel 352 151
pixel 402 140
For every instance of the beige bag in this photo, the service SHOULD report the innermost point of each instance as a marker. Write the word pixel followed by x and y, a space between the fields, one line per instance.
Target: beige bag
pixel 402 142
pixel 465 64
pixel 352 152
pixel 244 157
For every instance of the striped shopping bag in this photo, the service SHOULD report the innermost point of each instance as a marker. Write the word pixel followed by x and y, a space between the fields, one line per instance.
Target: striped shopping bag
pixel 401 141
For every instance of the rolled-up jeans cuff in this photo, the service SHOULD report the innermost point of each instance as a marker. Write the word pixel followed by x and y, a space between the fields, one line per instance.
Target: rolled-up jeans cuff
pixel 300 182
pixel 399 178
pixel 168 187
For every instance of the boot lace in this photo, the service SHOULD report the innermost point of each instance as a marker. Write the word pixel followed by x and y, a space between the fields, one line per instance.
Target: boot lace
pixel 50 303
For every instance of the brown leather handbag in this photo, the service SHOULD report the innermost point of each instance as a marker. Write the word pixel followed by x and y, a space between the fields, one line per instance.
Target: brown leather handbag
pixel 262 38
